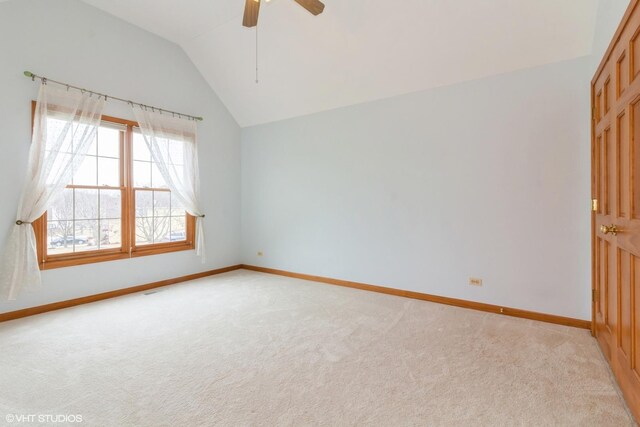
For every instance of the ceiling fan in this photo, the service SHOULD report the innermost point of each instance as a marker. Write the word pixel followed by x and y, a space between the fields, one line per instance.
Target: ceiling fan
pixel 252 8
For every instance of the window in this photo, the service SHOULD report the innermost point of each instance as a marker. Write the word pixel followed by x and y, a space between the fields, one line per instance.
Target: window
pixel 117 205
pixel 159 216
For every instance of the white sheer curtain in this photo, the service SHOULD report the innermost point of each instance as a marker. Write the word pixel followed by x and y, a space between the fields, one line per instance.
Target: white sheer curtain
pixel 172 143
pixel 64 127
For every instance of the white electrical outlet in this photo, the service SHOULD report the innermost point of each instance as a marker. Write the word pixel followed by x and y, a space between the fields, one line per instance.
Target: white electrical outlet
pixel 474 281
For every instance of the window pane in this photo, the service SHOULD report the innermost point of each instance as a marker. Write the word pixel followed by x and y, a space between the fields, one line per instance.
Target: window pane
pixel 161 229
pixel 178 228
pixel 176 152
pixel 110 204
pixel 157 181
pixel 144 203
pixel 162 147
pixel 177 208
pixel 59 161
pixel 86 236
pixel 109 142
pixel 140 150
pixel 62 207
pixel 87 174
pixel 92 147
pixel 108 172
pixel 177 170
pixel 141 174
pixel 144 231
pixel 55 129
pixel 60 237
pixel 86 204
pixel 161 203
pixel 110 234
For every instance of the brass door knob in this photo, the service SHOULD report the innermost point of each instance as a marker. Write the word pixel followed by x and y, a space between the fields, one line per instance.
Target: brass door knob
pixel 609 229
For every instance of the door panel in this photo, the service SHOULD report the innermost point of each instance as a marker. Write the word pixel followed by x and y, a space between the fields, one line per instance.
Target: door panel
pixel 607 95
pixel 624 303
pixel 609 167
pixel 634 49
pixel 635 310
pixel 635 159
pixel 622 165
pixel 610 290
pixel 599 302
pixel 616 212
pixel 622 73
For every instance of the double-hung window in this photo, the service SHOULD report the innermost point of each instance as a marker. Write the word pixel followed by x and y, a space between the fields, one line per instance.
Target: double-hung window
pixel 117 205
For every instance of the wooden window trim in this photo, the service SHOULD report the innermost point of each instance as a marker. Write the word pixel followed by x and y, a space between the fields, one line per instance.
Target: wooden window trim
pixel 128 249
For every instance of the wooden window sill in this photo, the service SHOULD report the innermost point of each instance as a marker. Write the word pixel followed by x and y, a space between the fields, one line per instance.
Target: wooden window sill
pixel 70 260
pixel 161 248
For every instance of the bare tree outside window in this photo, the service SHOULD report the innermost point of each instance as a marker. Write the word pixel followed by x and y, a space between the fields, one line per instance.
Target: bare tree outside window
pixel 89 222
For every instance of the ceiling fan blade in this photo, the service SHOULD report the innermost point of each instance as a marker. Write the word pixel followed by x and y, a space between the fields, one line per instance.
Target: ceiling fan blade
pixel 314 6
pixel 251 10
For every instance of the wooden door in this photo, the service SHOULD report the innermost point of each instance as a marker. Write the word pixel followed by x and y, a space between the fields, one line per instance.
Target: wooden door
pixel 615 97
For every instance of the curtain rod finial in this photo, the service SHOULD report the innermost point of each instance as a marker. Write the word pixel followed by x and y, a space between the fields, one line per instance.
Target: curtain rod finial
pixel 28 74
pixel 199 119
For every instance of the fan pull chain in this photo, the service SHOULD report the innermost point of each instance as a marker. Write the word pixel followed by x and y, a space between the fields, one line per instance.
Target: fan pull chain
pixel 257 54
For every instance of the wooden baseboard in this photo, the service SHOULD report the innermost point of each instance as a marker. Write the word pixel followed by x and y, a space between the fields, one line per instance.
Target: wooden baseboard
pixel 549 318
pixel 111 294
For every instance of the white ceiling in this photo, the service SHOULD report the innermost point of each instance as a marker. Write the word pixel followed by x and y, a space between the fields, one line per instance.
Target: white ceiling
pixel 358 50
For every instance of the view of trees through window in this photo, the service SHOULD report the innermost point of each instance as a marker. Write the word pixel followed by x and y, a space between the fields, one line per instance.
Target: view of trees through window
pixel 85 220
pixel 89 214
pixel 159 218
pixel 159 215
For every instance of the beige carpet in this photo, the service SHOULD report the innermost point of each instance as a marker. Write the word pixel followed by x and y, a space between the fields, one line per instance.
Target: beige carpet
pixel 246 348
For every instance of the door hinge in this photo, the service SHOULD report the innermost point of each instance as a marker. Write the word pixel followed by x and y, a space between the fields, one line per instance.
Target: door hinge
pixel 594 205
pixel 594 295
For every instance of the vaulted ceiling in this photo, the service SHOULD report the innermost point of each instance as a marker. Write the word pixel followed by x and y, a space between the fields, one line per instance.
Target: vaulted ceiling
pixel 358 50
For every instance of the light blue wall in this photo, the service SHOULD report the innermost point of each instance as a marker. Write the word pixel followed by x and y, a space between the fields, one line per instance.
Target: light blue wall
pixel 70 41
pixel 485 179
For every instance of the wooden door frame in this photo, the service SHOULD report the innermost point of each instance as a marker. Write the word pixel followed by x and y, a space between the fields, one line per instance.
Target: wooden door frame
pixel 593 178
